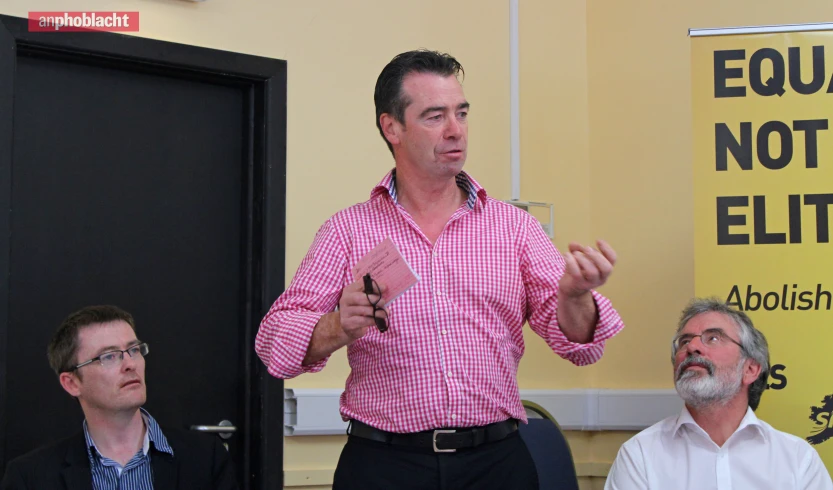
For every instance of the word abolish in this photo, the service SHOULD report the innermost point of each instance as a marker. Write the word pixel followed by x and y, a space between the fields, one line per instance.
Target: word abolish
pixel 768 60
pixel 786 299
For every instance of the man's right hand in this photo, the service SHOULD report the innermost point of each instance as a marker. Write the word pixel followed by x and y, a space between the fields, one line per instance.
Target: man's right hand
pixel 339 328
pixel 355 311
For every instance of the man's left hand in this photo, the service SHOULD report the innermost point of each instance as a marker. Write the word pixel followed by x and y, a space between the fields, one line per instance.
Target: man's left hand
pixel 587 268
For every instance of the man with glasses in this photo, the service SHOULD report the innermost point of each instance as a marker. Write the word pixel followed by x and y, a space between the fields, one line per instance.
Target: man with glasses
pixel 100 361
pixel 721 367
pixel 432 396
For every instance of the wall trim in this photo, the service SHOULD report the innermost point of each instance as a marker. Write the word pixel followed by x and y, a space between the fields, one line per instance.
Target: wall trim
pixel 315 411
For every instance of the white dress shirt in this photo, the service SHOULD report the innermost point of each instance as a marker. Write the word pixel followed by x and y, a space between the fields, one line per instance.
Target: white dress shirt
pixel 677 454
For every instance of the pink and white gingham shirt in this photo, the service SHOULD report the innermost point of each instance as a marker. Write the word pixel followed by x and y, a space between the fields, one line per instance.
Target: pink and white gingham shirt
pixel 450 356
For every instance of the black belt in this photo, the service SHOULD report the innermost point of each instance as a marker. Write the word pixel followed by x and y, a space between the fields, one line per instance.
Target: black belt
pixel 440 440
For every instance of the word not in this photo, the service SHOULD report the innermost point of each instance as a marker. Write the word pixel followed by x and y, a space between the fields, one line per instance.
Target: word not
pixel 725 143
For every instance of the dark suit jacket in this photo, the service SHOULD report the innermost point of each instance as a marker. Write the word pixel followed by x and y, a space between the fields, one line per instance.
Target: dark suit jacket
pixel 200 462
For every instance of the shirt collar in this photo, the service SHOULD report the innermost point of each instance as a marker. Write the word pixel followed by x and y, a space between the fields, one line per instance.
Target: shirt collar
pixel 749 420
pixel 475 192
pixel 153 434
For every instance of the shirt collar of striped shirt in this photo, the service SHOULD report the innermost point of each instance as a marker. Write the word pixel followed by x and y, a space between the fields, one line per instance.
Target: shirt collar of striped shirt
pixel 475 192
pixel 152 434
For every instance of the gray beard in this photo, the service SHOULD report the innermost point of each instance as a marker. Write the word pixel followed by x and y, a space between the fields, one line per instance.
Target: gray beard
pixel 701 390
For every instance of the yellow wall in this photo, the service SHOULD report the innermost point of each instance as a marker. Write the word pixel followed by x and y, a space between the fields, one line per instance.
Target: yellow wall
pixel 605 129
pixel 640 161
pixel 640 148
pixel 335 50
pixel 554 150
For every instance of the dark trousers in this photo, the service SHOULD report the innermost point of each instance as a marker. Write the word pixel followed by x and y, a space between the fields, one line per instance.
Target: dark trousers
pixel 371 465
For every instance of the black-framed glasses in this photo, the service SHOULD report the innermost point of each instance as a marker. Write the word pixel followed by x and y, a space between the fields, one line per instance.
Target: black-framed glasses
pixel 115 357
pixel 711 337
pixel 369 285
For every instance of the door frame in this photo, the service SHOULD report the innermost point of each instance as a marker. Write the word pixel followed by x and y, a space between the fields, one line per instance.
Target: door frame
pixel 263 81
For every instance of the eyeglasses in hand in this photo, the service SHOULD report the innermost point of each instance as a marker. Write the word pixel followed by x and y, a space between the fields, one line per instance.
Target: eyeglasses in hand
pixel 369 291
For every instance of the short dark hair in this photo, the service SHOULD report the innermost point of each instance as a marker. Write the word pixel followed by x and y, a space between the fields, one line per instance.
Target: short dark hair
pixel 388 95
pixel 752 340
pixel 64 345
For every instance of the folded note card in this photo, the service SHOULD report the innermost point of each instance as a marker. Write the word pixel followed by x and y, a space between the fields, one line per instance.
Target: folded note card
pixel 388 268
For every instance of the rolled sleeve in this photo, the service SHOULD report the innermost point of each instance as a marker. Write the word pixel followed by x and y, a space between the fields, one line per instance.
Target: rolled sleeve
pixel 284 335
pixel 543 266
pixel 283 340
pixel 608 325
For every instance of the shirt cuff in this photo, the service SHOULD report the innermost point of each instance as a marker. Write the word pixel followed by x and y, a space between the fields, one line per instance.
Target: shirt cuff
pixel 288 345
pixel 608 325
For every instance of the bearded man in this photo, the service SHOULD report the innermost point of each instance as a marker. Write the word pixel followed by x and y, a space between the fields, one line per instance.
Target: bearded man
pixel 721 367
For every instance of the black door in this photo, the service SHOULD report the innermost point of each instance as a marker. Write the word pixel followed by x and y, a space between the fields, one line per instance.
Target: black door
pixel 148 175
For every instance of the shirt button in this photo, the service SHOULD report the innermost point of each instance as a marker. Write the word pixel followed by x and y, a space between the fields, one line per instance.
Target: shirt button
pixel 439 293
pixel 450 374
pixel 453 416
pixel 445 332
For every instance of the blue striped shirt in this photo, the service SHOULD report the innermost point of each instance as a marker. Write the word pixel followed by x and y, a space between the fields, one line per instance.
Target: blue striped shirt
pixel 137 473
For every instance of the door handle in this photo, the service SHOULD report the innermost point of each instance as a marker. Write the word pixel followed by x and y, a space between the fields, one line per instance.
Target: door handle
pixel 224 429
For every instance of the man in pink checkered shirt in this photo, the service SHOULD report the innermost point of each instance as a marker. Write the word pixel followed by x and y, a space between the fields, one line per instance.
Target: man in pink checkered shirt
pixel 432 396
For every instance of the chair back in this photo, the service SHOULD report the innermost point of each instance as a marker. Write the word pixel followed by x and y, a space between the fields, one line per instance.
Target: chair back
pixel 549 449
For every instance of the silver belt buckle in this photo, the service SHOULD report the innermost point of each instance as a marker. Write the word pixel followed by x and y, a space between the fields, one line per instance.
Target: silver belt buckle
pixel 443 431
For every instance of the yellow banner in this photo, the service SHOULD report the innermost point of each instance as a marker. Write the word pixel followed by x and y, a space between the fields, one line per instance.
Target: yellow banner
pixel 763 200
